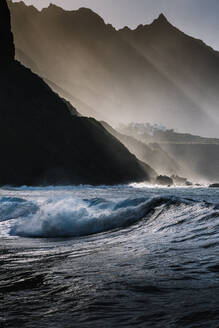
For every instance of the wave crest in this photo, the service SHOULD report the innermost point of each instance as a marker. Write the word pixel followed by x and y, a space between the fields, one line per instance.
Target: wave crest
pixel 74 217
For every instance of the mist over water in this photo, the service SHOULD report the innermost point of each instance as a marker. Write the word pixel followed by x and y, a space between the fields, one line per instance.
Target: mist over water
pixel 122 255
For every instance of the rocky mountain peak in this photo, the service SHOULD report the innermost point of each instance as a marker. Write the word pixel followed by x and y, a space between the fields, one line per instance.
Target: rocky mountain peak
pixel 162 18
pixel 161 21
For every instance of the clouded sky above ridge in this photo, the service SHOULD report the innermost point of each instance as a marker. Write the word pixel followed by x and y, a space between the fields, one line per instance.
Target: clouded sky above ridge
pixel 199 18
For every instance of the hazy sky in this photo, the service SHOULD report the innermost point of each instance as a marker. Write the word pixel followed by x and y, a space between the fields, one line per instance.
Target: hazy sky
pixel 199 18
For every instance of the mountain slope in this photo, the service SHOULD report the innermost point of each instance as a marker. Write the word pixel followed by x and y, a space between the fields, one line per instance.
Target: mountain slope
pixel 124 75
pixel 153 154
pixel 42 139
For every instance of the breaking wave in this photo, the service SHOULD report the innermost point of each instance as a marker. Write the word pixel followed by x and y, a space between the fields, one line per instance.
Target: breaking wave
pixel 74 217
pixel 71 217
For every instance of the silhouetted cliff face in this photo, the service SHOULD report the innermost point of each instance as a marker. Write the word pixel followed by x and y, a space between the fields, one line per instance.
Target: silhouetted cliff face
pixel 154 73
pixel 7 51
pixel 43 141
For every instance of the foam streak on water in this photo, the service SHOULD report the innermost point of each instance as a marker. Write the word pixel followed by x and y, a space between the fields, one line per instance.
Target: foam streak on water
pixel 119 256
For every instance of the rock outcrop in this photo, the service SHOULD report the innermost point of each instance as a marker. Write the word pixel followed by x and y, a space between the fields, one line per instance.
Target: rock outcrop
pixel 214 185
pixel 164 180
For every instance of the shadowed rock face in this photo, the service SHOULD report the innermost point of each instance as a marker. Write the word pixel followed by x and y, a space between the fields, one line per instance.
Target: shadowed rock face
pixel 43 141
pixel 7 51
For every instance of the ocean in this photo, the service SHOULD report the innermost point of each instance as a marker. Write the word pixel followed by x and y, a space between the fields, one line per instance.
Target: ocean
pixel 120 256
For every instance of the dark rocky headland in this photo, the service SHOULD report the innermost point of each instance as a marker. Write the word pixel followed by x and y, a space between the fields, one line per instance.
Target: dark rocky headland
pixel 43 141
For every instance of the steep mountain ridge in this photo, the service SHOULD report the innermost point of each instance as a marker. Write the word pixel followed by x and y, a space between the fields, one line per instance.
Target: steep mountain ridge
pixel 43 140
pixel 123 74
pixel 188 62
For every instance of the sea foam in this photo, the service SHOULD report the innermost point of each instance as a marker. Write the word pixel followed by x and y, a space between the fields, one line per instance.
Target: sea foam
pixel 74 217
pixel 71 217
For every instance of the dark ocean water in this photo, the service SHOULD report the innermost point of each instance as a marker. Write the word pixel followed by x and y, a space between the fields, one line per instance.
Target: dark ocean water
pixel 125 256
